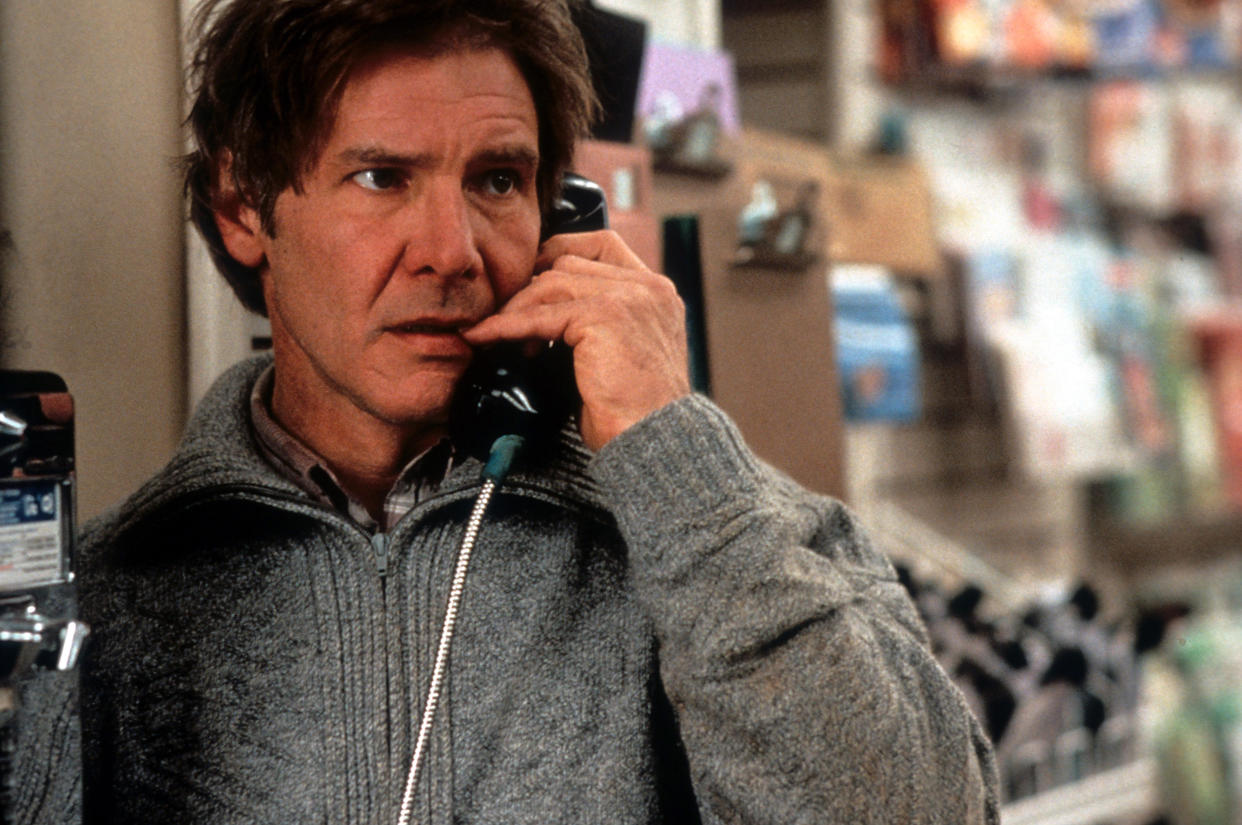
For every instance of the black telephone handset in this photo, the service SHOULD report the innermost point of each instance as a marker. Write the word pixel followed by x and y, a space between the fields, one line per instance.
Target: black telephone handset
pixel 506 403
pixel 507 392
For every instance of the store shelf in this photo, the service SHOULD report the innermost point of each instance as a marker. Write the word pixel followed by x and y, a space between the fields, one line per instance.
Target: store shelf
pixel 1001 83
pixel 907 538
pixel 1141 549
pixel 1118 796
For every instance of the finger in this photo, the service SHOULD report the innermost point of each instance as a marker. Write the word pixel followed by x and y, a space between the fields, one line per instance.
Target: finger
pixel 575 300
pixel 601 299
pixel 603 245
pixel 558 285
pixel 543 322
pixel 576 265
pixel 566 312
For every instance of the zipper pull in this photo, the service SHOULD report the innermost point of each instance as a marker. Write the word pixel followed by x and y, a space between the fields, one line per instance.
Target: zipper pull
pixel 379 543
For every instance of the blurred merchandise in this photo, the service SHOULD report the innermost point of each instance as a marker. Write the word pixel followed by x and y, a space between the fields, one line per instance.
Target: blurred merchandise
pixel 772 236
pixel 1106 37
pixel 1069 691
pixel 1076 303
pixel 1126 33
pixel 1055 682
pixel 1220 340
pixel 687 102
pixel 1085 164
pixel 906 39
pixel 990 284
pixel 1206 148
pixel 1031 34
pixel 1130 143
pixel 757 214
pixel 1193 707
pixel 1207 31
pixel 877 350
pixel 1162 148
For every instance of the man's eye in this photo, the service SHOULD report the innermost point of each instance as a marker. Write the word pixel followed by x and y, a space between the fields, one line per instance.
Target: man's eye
pixel 501 182
pixel 379 180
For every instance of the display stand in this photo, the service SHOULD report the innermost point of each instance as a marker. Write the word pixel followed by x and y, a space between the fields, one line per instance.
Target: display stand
pixel 771 356
pixel 769 330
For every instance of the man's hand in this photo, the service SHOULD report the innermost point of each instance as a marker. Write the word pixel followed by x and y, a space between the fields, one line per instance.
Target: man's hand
pixel 626 325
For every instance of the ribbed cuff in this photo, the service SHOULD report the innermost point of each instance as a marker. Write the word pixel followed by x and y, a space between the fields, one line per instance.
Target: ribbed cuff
pixel 681 462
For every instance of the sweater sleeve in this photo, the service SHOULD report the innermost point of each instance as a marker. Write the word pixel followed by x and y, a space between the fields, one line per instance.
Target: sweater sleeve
pixel 804 687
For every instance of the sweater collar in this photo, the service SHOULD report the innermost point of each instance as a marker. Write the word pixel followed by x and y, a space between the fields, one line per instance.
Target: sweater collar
pixel 219 450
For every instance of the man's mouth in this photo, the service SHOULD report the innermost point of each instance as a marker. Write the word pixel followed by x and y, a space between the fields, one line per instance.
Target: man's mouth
pixel 434 338
pixel 427 328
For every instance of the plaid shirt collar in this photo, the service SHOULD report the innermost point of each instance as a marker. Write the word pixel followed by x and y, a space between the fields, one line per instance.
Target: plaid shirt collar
pixel 295 461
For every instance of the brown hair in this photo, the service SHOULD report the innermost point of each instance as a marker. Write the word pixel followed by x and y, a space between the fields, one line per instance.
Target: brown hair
pixel 267 75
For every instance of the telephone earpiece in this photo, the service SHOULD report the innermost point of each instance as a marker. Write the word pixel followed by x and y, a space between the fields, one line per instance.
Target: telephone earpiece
pixel 580 207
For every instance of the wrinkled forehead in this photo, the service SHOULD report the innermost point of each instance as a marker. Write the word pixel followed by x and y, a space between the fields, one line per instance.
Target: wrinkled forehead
pixel 382 48
pixel 463 104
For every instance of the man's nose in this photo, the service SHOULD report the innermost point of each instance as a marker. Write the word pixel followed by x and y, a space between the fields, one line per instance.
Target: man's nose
pixel 441 240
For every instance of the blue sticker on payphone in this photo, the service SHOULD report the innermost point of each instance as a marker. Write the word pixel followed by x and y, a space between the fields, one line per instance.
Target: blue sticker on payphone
pixel 30 533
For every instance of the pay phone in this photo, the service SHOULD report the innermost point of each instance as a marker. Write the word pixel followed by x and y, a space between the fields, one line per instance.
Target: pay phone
pixel 40 636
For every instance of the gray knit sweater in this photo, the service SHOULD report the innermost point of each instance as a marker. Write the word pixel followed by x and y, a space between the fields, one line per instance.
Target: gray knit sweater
pixel 667 631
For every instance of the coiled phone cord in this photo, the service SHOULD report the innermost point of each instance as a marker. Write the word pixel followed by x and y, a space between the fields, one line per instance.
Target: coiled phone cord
pixel 498 463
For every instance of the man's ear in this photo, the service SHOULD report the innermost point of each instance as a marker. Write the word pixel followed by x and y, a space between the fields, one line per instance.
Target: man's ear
pixel 240 226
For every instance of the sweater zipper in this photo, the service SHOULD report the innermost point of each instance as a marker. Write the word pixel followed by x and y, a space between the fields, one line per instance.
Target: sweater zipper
pixel 379 543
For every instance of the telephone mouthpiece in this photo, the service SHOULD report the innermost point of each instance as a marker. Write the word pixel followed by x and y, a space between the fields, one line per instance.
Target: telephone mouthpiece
pixel 505 392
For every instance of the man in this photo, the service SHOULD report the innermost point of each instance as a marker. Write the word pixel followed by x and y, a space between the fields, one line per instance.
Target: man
pixel 655 627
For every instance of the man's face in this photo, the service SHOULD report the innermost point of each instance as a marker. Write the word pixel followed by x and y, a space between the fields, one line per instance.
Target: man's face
pixel 420 217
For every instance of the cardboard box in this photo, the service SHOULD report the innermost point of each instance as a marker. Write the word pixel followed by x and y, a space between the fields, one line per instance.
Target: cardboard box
pixel 880 212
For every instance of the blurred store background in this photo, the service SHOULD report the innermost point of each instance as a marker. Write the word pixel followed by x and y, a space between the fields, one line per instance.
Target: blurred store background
pixel 1063 489
pixel 974 266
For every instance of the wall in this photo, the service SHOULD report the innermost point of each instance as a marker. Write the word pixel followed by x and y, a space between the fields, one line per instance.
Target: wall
pixel 804 67
pixel 783 66
pixel 690 22
pixel 88 190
